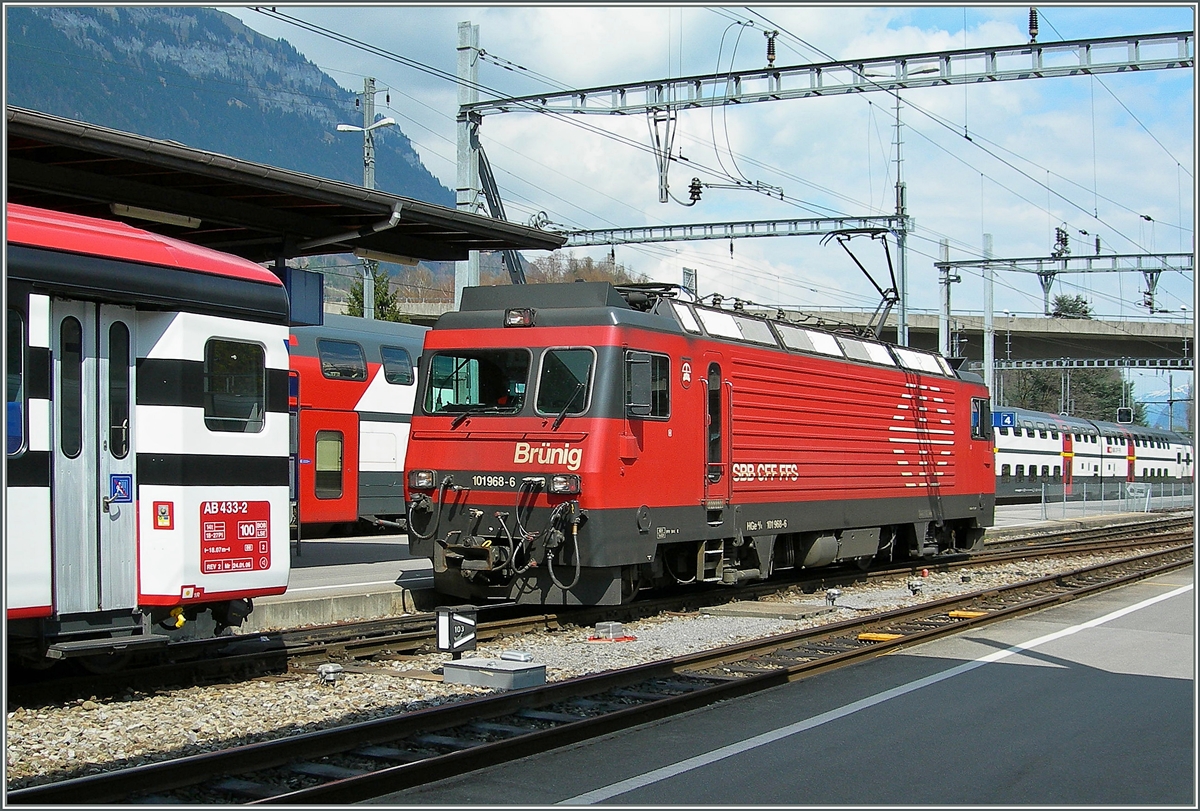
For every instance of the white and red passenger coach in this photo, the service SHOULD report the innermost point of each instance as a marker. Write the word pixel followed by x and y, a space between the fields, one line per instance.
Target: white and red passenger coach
pixel 576 443
pixel 147 436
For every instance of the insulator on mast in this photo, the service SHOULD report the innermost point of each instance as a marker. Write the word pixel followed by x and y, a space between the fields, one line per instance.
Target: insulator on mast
pixel 1033 28
pixel 770 35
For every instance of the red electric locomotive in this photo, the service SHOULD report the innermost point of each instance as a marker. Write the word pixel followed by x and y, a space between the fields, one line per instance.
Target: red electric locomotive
pixel 576 443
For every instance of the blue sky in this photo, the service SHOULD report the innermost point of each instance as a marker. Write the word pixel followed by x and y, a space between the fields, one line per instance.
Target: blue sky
pixel 1095 154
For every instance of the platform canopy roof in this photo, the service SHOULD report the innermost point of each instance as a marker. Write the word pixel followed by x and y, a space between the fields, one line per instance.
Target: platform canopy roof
pixel 259 212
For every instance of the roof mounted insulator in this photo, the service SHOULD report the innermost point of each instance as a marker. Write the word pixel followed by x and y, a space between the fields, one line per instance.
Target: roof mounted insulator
pixel 1033 28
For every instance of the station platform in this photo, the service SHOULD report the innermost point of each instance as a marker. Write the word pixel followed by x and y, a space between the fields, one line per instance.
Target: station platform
pixel 370 577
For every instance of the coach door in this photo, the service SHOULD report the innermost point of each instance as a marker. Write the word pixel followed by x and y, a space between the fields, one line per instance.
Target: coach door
pixel 95 523
pixel 1068 462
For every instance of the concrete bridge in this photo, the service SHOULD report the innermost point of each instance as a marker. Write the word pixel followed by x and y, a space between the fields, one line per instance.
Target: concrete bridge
pixel 1032 342
pixel 1020 341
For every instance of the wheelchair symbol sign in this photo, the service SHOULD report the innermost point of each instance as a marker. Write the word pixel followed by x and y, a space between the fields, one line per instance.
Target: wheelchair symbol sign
pixel 120 488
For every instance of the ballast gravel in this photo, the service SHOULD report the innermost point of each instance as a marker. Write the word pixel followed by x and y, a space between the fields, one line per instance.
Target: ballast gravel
pixel 54 743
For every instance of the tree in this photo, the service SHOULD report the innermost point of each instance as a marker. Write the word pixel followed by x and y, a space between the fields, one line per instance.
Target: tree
pixel 563 267
pixel 1096 394
pixel 1071 307
pixel 386 308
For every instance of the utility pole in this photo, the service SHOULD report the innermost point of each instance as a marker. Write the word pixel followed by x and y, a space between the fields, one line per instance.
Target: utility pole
pixel 469 193
pixel 989 321
pixel 944 342
pixel 901 240
pixel 368 130
pixel 368 183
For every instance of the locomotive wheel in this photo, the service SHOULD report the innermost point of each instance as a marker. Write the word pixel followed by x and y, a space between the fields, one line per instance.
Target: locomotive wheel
pixel 630 584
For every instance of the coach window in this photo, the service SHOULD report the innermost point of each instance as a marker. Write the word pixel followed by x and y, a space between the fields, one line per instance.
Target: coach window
pixel 1003 432
pixel 1020 473
pixel 1054 433
pixel 1005 471
pixel 328 478
pixel 1045 471
pixel 564 380
pixel 397 365
pixel 342 360
pixel 1057 471
pixel 235 377
pixel 70 400
pixel 16 379
pixel 118 390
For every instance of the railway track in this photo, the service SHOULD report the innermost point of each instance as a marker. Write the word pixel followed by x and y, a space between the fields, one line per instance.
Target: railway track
pixel 263 654
pixel 370 759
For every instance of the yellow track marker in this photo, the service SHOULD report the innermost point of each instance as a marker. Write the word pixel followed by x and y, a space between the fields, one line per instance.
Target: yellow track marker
pixel 967 615
pixel 874 637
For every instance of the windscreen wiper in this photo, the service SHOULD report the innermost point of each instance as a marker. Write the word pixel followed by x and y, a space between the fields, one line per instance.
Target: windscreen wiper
pixel 580 386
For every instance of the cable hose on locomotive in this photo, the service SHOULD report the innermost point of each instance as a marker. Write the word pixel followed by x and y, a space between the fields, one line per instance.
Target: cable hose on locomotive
pixel 563 512
pixel 513 548
pixel 670 571
pixel 437 518
pixel 529 482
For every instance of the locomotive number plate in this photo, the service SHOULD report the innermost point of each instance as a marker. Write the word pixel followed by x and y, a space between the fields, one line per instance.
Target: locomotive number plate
pixel 235 536
pixel 494 481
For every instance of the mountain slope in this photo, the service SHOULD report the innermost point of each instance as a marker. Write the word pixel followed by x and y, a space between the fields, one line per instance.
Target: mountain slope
pixel 200 77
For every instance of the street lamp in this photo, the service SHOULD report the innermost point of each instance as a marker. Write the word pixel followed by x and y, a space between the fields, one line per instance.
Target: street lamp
pixel 368 146
pixel 368 131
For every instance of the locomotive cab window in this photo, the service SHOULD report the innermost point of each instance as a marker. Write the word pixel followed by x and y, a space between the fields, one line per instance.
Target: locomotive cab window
pixel 15 417
pixel 478 381
pixel 647 385
pixel 397 365
pixel 235 375
pixel 342 360
pixel 564 381
pixel 981 418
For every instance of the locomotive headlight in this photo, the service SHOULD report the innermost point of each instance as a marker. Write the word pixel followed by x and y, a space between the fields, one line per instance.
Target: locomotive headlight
pixel 422 479
pixel 565 484
pixel 518 317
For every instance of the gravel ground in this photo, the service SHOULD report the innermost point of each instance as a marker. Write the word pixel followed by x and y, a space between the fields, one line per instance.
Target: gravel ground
pixel 89 736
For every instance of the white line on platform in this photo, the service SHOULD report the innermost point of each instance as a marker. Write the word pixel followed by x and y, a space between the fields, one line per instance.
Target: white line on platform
pixel 615 789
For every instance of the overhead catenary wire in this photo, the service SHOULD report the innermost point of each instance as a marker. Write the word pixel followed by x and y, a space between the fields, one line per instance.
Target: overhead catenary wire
pixel 609 135
pixel 938 120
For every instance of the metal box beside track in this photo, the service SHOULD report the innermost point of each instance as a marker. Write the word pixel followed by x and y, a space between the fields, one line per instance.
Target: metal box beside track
pixel 499 673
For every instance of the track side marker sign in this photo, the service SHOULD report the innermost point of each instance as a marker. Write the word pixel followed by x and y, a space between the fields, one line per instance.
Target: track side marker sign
pixel 456 629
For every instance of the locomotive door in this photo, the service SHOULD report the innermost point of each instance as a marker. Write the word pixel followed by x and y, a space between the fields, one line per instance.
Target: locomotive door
pixel 718 483
pixel 95 482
